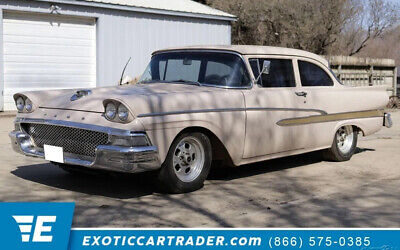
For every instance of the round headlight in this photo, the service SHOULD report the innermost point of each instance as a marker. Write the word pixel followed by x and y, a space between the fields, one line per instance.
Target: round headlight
pixel 111 111
pixel 20 103
pixel 123 112
pixel 28 105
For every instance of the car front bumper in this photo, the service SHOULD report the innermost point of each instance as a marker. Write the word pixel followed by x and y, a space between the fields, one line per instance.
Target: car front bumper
pixel 130 159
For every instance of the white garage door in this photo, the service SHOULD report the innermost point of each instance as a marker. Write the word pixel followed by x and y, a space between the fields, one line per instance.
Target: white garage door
pixel 44 52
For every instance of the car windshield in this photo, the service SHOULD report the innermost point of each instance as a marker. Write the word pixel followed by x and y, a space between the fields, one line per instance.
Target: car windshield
pixel 199 68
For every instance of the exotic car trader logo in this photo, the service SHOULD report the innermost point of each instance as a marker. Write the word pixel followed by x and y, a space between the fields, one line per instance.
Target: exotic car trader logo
pixel 35 225
pixel 25 223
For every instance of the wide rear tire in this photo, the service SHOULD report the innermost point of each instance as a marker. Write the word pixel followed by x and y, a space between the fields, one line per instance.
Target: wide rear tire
pixel 187 164
pixel 344 144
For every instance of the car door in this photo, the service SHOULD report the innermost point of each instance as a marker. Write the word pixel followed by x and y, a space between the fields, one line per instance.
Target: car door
pixel 319 93
pixel 273 99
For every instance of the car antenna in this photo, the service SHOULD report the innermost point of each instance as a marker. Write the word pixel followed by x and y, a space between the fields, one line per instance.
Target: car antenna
pixel 123 71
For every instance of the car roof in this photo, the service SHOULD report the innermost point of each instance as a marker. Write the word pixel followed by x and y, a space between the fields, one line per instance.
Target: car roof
pixel 253 50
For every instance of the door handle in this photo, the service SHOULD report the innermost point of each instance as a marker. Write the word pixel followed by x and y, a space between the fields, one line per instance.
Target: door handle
pixel 301 93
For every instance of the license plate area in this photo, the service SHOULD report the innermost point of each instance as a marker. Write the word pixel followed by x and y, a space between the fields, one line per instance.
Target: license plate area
pixel 53 153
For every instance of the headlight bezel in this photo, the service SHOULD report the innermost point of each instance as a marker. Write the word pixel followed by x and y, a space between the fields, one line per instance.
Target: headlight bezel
pixel 122 109
pixel 110 107
pixel 118 106
pixel 28 105
pixel 20 106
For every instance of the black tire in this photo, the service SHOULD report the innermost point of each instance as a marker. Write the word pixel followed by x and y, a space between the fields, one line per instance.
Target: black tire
pixel 168 179
pixel 335 154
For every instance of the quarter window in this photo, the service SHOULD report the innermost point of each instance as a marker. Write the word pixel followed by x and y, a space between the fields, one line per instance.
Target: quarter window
pixel 280 73
pixel 312 75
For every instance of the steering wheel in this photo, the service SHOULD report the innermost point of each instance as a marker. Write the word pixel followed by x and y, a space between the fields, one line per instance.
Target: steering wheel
pixel 224 79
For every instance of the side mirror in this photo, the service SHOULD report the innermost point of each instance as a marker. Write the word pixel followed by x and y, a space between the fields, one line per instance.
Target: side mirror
pixel 265 69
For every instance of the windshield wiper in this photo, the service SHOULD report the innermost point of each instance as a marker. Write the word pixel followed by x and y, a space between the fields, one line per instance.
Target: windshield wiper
pixel 187 81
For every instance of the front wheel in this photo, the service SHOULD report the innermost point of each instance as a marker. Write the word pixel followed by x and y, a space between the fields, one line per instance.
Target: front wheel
pixel 187 164
pixel 344 144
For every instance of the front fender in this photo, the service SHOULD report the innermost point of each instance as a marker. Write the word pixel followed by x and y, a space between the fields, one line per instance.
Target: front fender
pixel 228 127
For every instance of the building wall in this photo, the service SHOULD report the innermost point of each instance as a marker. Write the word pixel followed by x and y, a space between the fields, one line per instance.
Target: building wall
pixel 122 34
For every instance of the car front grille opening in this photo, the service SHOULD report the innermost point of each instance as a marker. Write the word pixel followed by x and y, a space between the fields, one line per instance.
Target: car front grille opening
pixel 72 140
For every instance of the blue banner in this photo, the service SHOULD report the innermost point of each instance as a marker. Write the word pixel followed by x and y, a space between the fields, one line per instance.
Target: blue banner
pixel 234 239
pixel 35 225
pixel 30 225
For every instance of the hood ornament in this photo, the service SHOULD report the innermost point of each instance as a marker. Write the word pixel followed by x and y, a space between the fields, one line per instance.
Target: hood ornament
pixel 80 93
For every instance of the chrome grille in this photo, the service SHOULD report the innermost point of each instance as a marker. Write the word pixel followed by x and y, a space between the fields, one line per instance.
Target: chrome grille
pixel 72 140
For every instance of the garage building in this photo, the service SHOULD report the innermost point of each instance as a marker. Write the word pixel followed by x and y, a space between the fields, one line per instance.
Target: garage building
pixel 86 43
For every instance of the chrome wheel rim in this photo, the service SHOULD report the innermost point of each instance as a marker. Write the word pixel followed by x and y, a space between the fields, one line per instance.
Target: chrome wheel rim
pixel 344 139
pixel 188 159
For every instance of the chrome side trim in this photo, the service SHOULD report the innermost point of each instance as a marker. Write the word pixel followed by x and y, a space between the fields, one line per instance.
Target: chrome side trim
pixel 228 110
pixel 288 109
pixel 330 117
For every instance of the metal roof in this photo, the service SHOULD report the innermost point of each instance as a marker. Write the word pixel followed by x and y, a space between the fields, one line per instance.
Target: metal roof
pixel 182 6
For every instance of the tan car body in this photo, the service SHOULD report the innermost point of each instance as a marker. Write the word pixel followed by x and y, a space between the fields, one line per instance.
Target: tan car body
pixel 253 124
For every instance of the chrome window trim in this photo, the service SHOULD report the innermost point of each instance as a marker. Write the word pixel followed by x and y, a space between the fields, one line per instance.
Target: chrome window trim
pixel 215 51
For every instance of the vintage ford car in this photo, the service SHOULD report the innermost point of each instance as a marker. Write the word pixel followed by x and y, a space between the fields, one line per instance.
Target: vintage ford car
pixel 195 105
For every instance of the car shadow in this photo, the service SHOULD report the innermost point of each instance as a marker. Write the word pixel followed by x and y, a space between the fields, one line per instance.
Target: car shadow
pixel 121 186
pixel 229 173
pixel 361 150
pixel 263 167
pixel 126 186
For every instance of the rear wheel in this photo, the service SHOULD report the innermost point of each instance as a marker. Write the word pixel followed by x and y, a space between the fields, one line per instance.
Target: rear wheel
pixel 187 164
pixel 344 144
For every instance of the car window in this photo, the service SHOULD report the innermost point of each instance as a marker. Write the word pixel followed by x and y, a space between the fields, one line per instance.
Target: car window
pixel 280 73
pixel 313 75
pixel 186 69
pixel 208 68
pixel 215 71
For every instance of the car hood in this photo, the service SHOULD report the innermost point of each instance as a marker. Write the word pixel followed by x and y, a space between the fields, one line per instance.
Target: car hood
pixel 141 98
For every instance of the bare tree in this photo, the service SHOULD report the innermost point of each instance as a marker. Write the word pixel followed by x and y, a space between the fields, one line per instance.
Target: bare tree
pixel 319 26
pixel 312 25
pixel 370 20
pixel 387 46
